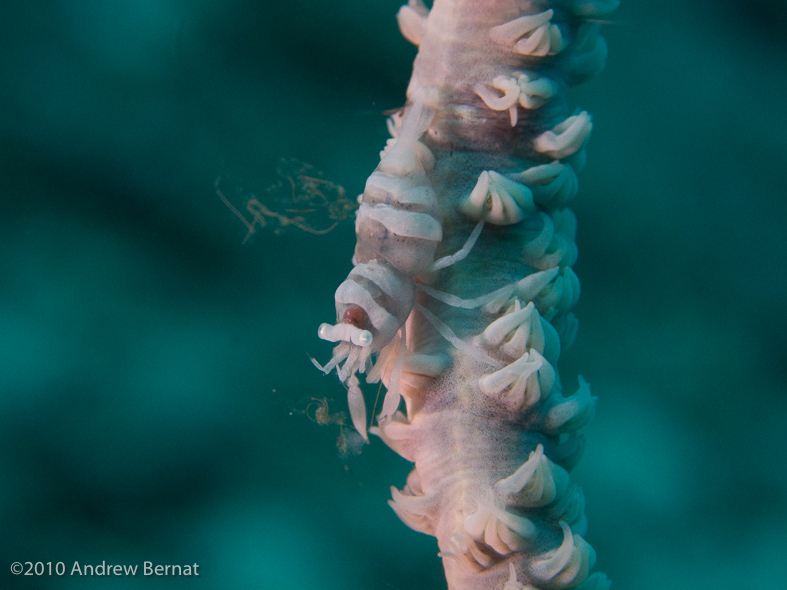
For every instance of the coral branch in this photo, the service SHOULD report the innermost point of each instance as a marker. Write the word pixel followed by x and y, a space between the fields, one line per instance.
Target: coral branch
pixel 461 296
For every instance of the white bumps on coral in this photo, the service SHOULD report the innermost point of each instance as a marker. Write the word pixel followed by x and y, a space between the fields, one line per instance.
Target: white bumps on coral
pixel 566 565
pixel 570 508
pixel 526 289
pixel 498 200
pixel 520 329
pixel 527 89
pixel 532 35
pixel 553 185
pixel 566 138
pixel 549 241
pixel 520 384
pixel 588 54
pixel 536 483
pixel 566 327
pixel 568 414
pixel 498 528
pixel 554 291
pixel 559 296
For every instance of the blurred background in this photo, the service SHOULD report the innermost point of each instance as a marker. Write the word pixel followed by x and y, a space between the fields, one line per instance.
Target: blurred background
pixel 156 394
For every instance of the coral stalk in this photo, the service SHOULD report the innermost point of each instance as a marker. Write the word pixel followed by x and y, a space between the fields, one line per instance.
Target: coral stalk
pixel 461 295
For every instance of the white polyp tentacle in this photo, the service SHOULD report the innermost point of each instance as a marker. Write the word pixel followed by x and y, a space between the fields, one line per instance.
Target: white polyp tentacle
pixel 566 327
pixel 553 185
pixel 492 524
pixel 502 328
pixel 526 289
pixel 531 35
pixel 551 339
pixel 505 84
pixel 562 252
pixel 588 55
pixel 578 160
pixel 568 451
pixel 556 41
pixel 412 21
pixel 496 541
pixel 569 414
pixel 535 247
pixel 566 138
pixel 508 102
pixel 550 240
pixel 517 345
pixel 515 385
pixel 553 561
pixel 570 508
pixel 565 223
pixel 547 376
pixel 560 296
pixel 498 200
pixel 526 89
pixel 521 329
pixel 563 566
pixel 486 524
pixel 534 90
pixel 537 482
pixel 472 555
pixel 461 254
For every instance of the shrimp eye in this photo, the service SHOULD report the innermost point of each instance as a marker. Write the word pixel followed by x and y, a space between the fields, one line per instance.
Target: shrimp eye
pixel 355 316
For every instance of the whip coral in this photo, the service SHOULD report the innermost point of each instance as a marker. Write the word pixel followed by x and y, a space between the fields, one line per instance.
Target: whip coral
pixel 461 296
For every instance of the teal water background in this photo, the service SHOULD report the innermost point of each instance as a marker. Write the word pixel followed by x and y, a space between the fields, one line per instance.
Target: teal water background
pixel 154 371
